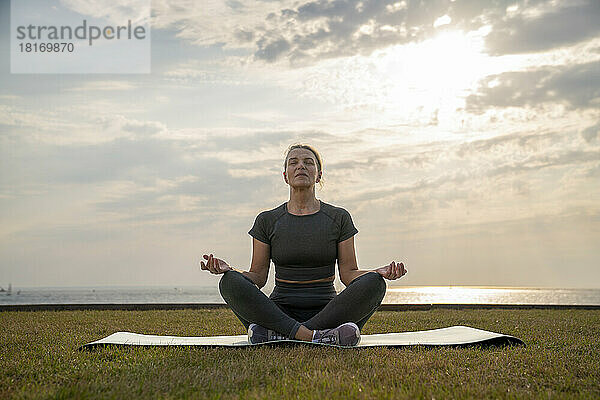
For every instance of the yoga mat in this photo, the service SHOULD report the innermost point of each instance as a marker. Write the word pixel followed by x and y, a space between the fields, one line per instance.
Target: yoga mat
pixel 451 336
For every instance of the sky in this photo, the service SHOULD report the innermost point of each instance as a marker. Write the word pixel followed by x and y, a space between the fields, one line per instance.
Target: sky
pixel 462 136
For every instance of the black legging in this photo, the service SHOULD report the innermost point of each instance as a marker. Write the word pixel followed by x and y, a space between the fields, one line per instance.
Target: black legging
pixel 316 306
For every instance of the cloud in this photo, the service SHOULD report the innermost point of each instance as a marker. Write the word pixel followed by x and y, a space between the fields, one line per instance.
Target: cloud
pixel 122 158
pixel 324 29
pixel 591 133
pixel 34 121
pixel 565 24
pixel 121 126
pixel 168 176
pixel 104 86
pixel 487 178
pixel 86 123
pixel 214 22
pixel 298 31
pixel 576 86
pixel 263 116
pixel 305 32
pixel 270 50
pixel 218 73
pixel 441 21
pixel 116 13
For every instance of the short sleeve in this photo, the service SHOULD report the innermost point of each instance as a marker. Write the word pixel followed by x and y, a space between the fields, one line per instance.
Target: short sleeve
pixel 259 229
pixel 347 229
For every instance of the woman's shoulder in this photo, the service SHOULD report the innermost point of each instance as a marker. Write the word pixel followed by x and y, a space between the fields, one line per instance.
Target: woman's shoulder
pixel 333 210
pixel 273 213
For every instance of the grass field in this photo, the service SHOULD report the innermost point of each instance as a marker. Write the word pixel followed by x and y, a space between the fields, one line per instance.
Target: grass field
pixel 38 358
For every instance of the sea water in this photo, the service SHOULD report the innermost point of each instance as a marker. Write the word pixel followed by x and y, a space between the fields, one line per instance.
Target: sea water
pixel 394 295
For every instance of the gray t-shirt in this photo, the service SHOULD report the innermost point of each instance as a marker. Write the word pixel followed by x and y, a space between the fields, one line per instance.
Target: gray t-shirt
pixel 303 247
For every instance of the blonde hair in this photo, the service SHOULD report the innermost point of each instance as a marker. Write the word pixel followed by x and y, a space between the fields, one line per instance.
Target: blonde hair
pixel 313 150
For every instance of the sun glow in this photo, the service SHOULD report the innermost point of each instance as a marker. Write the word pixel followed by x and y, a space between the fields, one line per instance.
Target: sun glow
pixel 418 84
pixel 436 70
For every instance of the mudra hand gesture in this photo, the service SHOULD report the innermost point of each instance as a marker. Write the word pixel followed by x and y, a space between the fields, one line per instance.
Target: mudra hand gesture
pixel 214 265
pixel 392 271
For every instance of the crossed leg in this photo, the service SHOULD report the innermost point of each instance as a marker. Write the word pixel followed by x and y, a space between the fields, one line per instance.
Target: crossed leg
pixel 355 304
pixel 251 305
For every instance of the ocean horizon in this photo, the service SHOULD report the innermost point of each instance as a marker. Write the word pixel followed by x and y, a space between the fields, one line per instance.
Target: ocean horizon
pixel 210 294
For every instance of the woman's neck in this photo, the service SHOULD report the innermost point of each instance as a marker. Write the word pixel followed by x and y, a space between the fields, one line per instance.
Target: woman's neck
pixel 303 202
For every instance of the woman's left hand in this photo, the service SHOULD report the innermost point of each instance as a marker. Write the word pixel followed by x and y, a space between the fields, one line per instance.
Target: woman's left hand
pixel 393 271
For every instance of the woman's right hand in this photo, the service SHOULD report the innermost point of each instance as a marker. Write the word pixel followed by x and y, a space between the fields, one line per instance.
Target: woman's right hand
pixel 214 265
pixel 392 271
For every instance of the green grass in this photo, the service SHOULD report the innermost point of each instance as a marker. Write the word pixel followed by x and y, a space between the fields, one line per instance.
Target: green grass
pixel 38 358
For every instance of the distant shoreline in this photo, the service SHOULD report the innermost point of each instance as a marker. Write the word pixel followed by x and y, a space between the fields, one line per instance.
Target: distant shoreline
pixel 395 299
pixel 202 306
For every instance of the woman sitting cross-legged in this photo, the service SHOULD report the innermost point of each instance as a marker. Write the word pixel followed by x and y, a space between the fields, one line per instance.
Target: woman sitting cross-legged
pixel 304 237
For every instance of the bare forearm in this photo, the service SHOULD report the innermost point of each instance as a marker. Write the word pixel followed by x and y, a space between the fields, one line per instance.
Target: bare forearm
pixel 258 279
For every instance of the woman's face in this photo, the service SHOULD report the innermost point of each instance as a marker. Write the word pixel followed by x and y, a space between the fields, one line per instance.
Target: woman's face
pixel 301 168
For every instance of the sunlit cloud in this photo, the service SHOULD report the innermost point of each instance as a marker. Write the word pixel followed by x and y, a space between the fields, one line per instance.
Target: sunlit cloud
pixel 441 21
